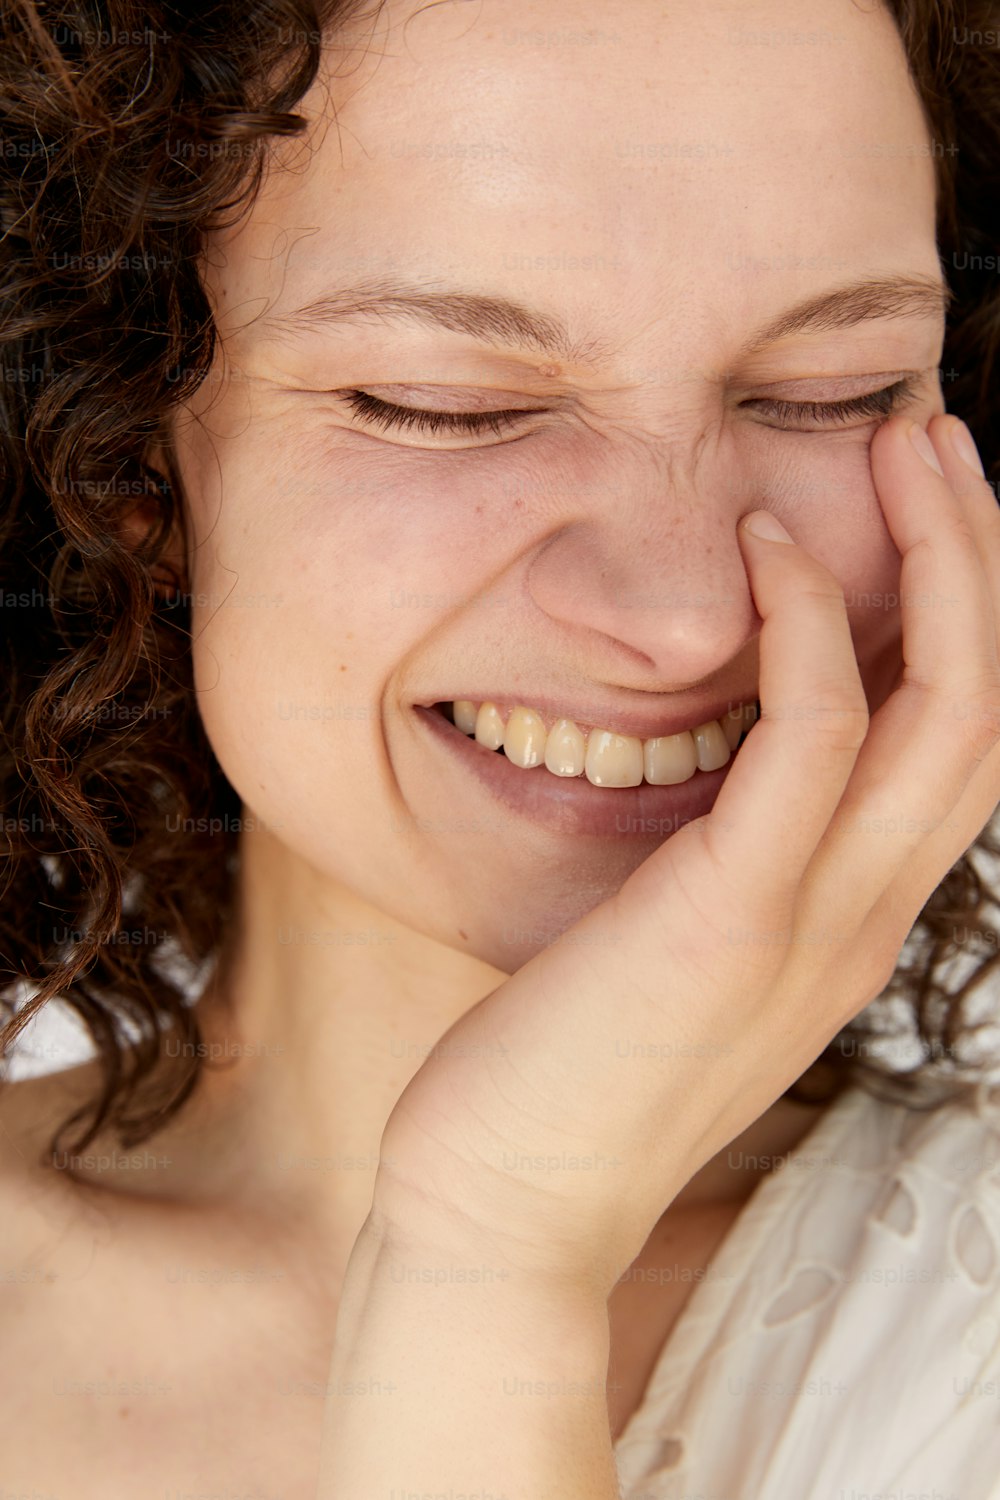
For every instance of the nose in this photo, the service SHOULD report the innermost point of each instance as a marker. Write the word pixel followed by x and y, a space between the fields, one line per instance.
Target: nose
pixel 660 577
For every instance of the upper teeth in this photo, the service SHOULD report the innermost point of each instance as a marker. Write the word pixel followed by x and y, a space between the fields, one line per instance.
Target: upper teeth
pixel 607 759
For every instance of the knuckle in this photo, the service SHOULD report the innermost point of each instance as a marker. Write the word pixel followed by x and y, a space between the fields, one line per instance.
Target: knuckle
pixel 815 581
pixel 847 731
pixel 977 717
pixel 836 716
pixel 822 589
pixel 962 532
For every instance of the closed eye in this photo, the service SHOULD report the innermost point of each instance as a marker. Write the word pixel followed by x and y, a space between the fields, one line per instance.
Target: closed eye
pixel 389 417
pixel 879 404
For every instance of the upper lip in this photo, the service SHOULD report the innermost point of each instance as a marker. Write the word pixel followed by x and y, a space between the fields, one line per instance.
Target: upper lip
pixel 643 726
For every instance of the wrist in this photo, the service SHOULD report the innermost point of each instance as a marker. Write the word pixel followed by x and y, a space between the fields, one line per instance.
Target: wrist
pixel 440 1245
pixel 458 1339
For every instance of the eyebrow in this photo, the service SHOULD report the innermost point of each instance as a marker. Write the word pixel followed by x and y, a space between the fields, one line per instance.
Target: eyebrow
pixel 504 323
pixel 857 302
pixel 494 320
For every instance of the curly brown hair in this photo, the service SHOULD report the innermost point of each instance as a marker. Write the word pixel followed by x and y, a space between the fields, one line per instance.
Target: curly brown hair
pixel 129 132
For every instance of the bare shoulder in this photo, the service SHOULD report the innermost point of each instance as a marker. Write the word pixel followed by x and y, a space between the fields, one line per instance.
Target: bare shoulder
pixel 48 1229
pixel 31 1111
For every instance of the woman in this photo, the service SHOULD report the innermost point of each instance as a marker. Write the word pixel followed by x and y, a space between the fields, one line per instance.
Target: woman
pixel 445 411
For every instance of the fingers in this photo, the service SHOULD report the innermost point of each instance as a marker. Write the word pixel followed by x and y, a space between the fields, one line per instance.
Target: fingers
pixel 827 817
pixel 939 522
pixel 928 775
pixel 788 778
pixel 978 503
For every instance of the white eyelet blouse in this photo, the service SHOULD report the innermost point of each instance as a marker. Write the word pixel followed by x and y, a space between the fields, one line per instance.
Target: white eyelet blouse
pixel 844 1343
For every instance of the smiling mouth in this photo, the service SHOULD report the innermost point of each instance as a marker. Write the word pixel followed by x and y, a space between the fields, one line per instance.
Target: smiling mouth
pixel 560 748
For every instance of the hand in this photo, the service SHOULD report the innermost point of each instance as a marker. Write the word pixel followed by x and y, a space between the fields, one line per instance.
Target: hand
pixel 486 1145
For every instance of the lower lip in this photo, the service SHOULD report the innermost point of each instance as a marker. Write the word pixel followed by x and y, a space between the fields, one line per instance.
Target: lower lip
pixel 572 804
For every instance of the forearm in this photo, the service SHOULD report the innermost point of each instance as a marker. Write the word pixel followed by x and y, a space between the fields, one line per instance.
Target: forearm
pixel 463 1379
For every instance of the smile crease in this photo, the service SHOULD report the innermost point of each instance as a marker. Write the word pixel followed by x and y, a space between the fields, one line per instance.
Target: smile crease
pixel 607 759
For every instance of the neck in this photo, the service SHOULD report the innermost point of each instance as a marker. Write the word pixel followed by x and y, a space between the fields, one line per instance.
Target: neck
pixel 319 1014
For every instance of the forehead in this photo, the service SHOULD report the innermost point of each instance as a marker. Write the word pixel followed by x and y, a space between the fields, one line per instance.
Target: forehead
pixel 696 161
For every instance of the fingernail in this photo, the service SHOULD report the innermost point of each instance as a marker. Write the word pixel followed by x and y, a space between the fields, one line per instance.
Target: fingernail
pixel 924 447
pixel 964 446
pixel 761 523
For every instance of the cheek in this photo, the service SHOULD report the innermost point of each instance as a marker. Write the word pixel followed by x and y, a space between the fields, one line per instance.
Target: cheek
pixel 311 587
pixel 827 497
pixel 316 580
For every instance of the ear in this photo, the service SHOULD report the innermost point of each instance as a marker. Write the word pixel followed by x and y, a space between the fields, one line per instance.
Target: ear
pixel 141 519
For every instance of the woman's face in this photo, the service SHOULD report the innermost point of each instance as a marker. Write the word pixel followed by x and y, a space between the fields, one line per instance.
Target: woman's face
pixel 667 182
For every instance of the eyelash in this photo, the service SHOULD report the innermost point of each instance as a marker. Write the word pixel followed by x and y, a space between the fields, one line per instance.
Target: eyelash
pixel 388 416
pixel 873 404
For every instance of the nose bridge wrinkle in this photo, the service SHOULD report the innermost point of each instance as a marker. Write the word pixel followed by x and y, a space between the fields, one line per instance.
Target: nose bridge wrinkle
pixel 679 464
